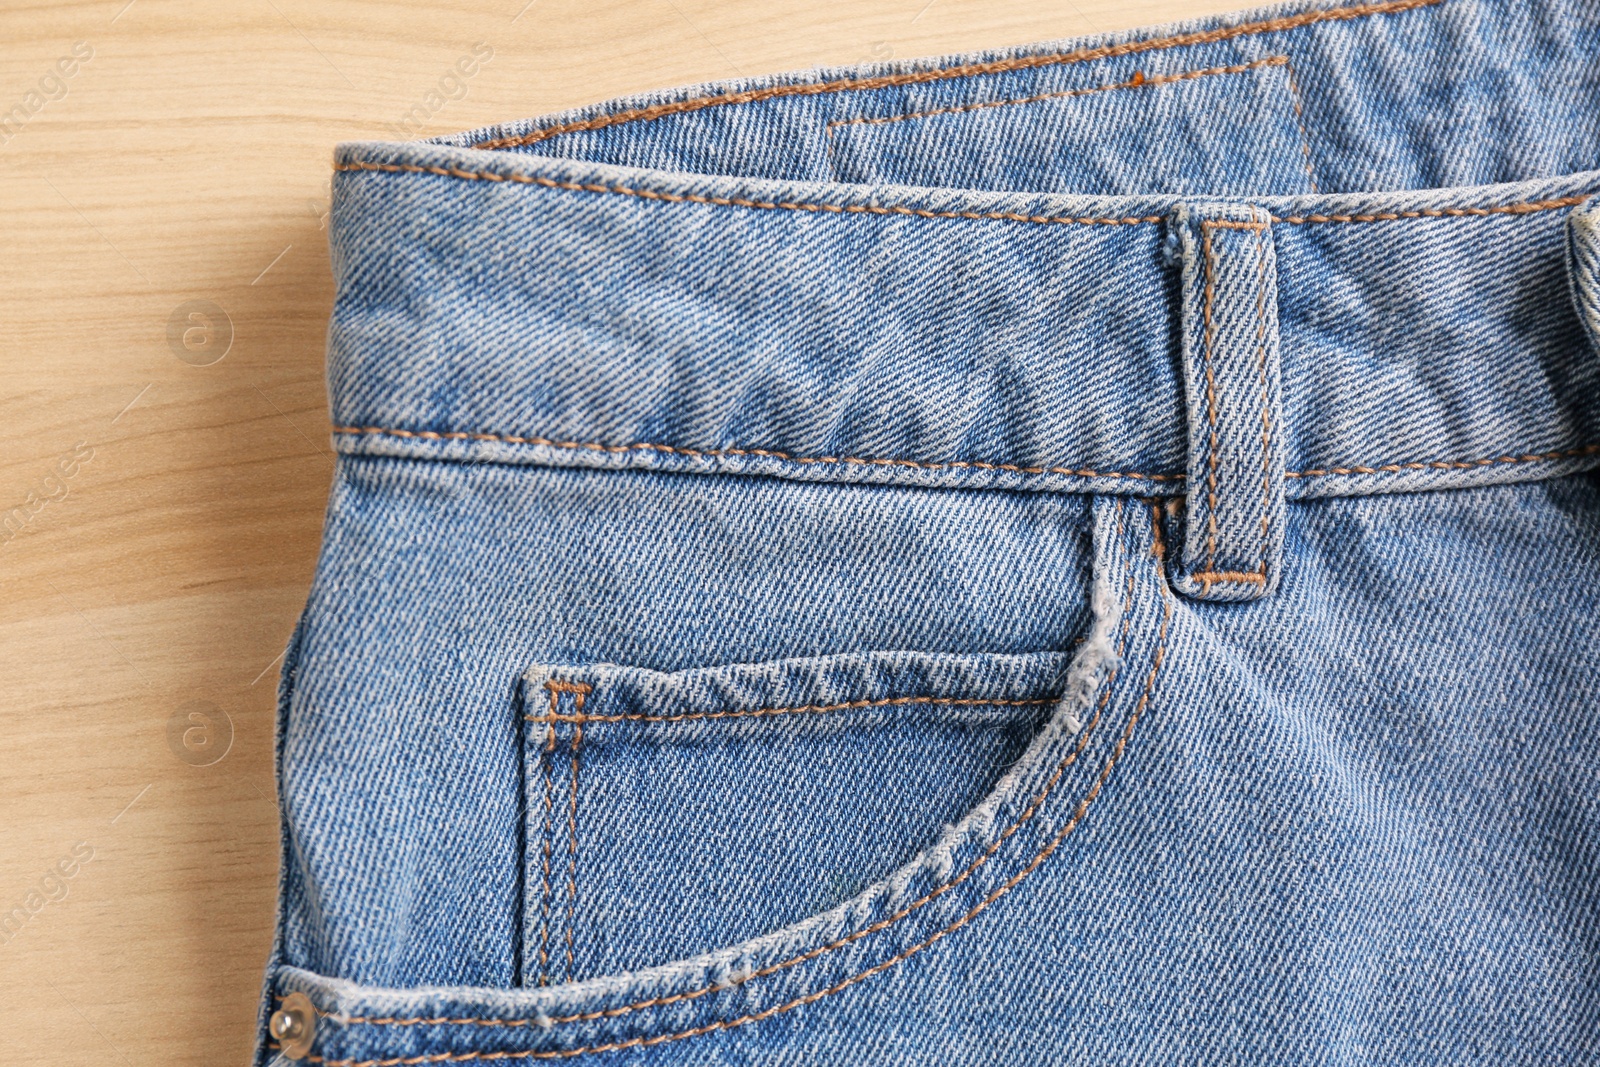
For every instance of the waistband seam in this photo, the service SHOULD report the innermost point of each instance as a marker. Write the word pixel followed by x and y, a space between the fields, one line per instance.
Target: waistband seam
pixel 966 70
pixel 731 201
pixel 591 446
pixel 1526 207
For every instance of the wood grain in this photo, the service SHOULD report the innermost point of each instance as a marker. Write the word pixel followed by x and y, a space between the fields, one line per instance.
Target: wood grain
pixel 171 511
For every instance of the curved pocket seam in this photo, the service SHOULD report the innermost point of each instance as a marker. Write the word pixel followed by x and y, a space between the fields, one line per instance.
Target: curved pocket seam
pixel 1157 660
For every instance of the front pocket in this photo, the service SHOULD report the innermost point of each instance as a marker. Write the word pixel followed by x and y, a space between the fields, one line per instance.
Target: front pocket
pixel 918 936
pixel 669 814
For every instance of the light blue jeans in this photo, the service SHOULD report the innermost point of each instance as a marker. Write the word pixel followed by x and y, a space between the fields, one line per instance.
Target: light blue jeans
pixel 1081 554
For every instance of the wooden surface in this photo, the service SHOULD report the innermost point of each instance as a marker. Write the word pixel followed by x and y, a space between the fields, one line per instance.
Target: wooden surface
pixel 163 509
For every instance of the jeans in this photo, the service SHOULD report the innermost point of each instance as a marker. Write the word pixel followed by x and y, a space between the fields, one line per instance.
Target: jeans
pixel 1087 553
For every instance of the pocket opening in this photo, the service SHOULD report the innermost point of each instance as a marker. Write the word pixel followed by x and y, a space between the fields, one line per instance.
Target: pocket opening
pixel 972 866
pixel 670 814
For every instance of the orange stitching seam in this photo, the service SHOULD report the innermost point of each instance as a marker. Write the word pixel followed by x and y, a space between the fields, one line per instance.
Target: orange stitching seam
pixel 1209 578
pixel 964 70
pixel 1211 396
pixel 793 709
pixel 734 201
pixel 694 453
pixel 1138 81
pixel 1300 120
pixel 1210 575
pixel 1445 464
pixel 1027 813
pixel 1011 883
pixel 572 829
pixel 549 830
pixel 1264 239
pixel 1527 207
pixel 1390 468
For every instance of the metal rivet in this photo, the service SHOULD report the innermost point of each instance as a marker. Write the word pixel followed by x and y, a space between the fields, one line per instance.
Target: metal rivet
pixel 294 1025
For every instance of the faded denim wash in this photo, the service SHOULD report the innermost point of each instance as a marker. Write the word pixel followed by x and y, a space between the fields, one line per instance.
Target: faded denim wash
pixel 1081 554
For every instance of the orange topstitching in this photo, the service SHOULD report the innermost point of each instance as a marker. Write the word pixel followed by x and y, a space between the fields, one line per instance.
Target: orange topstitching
pixel 763 453
pixel 965 70
pixel 549 829
pixel 582 717
pixel 1208 578
pixel 1300 120
pixel 1388 468
pixel 1263 247
pixel 1138 81
pixel 1209 575
pixel 733 201
pixel 1210 332
pixel 1525 207
pixel 572 827
pixel 1448 464
pixel 1522 208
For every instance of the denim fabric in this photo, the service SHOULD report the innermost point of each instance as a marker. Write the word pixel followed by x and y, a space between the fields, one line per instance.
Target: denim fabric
pixel 1086 553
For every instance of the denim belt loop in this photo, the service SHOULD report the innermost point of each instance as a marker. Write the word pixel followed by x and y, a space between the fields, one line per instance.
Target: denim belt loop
pixel 1233 537
pixel 1583 265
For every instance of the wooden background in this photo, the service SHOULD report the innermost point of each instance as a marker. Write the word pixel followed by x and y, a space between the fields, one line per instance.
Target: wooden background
pixel 163 488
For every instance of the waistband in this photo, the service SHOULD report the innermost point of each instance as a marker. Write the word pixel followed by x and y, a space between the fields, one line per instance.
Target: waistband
pixel 546 300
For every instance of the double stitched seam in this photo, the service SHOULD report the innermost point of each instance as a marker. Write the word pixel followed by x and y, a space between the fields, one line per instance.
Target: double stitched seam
pixel 1138 81
pixel 545 843
pixel 1211 575
pixel 1524 207
pixel 1390 468
pixel 572 831
pixel 800 709
pixel 1448 464
pixel 1263 243
pixel 1032 808
pixel 758 453
pixel 734 201
pixel 965 70
pixel 1210 331
pixel 579 692
pixel 1010 883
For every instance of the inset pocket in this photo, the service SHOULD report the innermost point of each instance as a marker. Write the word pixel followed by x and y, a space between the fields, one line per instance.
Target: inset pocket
pixel 670 814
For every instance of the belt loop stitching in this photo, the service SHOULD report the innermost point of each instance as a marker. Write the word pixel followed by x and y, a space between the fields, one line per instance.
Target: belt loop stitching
pixel 1205 506
pixel 572 833
pixel 1211 404
pixel 1263 235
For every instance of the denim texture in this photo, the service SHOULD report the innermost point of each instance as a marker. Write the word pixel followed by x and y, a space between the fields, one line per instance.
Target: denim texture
pixel 1079 554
